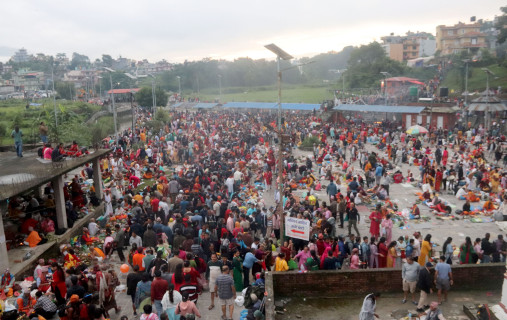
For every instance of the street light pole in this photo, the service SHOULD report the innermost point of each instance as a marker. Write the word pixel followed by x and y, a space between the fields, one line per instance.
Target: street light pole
pixel 220 87
pixel 280 54
pixel 487 119
pixel 54 97
pixel 385 73
pixel 112 98
pixel 179 86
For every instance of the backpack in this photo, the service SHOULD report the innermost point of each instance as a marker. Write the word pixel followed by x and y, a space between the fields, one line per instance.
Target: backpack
pixel 39 153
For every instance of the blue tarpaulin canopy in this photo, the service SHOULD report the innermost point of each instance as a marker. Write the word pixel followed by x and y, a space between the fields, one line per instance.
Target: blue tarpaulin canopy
pixel 205 105
pixel 378 108
pixel 272 105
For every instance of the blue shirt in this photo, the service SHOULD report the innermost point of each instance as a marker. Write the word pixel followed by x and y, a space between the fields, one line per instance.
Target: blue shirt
pixel 443 270
pixel 378 171
pixel 341 246
pixel 250 259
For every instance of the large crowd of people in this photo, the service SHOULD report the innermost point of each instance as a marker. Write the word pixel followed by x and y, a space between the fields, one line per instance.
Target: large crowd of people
pixel 194 207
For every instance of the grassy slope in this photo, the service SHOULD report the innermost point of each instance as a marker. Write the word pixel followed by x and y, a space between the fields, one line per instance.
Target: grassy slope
pixel 31 118
pixel 299 94
pixel 477 79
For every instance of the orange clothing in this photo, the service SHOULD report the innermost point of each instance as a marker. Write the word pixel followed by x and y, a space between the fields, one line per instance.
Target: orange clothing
pixel 137 259
pixel 472 197
pixel 488 206
pixel 100 253
pixel 25 309
pixel 33 239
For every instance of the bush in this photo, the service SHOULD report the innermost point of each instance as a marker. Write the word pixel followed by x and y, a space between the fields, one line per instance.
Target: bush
pixel 309 141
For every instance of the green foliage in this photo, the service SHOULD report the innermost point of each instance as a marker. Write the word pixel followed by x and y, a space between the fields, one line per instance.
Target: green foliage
pixel 3 130
pixel 309 141
pixel 455 78
pixel 155 125
pixel 366 63
pixel 500 26
pixel 144 97
pixel 65 90
pixel 120 81
pixel 163 116
pixel 79 61
pixel 107 60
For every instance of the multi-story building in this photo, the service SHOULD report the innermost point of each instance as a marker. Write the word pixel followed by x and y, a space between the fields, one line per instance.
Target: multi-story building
pixel 411 46
pixel 26 80
pixel 461 36
pixel 21 56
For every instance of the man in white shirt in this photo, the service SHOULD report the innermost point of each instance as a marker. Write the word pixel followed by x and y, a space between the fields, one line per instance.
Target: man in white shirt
pixel 93 228
pixel 164 206
pixel 230 184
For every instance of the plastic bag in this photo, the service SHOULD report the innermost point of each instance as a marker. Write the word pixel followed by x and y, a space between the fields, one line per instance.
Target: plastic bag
pixel 239 301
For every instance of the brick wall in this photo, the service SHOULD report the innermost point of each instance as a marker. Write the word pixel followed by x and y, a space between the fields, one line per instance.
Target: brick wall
pixel 336 283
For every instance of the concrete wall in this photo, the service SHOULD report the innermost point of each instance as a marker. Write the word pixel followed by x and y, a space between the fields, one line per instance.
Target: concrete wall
pixel 335 283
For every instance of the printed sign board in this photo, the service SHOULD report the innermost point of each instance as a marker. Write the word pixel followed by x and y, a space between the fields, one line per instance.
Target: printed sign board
pixel 297 228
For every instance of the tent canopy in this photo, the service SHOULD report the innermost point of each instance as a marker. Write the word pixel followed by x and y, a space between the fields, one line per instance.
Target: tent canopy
pixel 378 108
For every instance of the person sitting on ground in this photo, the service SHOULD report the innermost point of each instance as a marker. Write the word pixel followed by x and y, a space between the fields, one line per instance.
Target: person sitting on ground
pixel 434 312
pixel 25 302
pixel 6 282
pixel 416 213
pixel 33 238
pixel 466 207
pixel 472 197
pixel 44 306
pixel 488 205
pixel 58 153
pixel 74 150
pixel 87 238
pixel 46 152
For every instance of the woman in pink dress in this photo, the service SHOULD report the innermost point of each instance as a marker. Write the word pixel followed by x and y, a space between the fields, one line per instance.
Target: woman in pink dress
pixel 354 260
pixel 376 219
pixel 387 224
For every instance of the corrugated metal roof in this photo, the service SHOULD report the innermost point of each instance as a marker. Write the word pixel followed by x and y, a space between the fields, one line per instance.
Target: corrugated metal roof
pixel 492 107
pixel 205 105
pixel 378 108
pixel 272 105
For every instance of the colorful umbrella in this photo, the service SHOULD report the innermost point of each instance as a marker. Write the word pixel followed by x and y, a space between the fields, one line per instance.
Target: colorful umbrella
pixel 416 130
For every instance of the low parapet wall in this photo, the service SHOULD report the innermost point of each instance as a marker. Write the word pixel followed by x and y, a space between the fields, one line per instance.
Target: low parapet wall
pixel 337 283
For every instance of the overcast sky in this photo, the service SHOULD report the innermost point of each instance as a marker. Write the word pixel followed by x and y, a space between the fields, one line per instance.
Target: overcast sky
pixel 221 29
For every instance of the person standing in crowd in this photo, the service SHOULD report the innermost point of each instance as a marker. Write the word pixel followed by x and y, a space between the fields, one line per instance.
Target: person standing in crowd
pixel 443 278
pixel 17 134
pixel 354 218
pixel 226 292
pixel 424 283
pixel 159 287
pixel 43 132
pixel 410 275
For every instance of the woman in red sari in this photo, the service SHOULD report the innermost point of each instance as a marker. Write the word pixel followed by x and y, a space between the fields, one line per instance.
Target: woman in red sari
pixel 376 219
pixel 382 253
pixel 58 284
pixel 438 179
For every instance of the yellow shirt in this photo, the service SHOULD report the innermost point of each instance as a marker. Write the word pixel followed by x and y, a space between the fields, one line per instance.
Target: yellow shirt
pixel 281 264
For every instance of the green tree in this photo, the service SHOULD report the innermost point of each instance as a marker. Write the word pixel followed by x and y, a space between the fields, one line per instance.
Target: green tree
pixel 501 26
pixel 65 90
pixel 107 60
pixel 79 61
pixel 366 64
pixel 145 99
pixel 120 81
